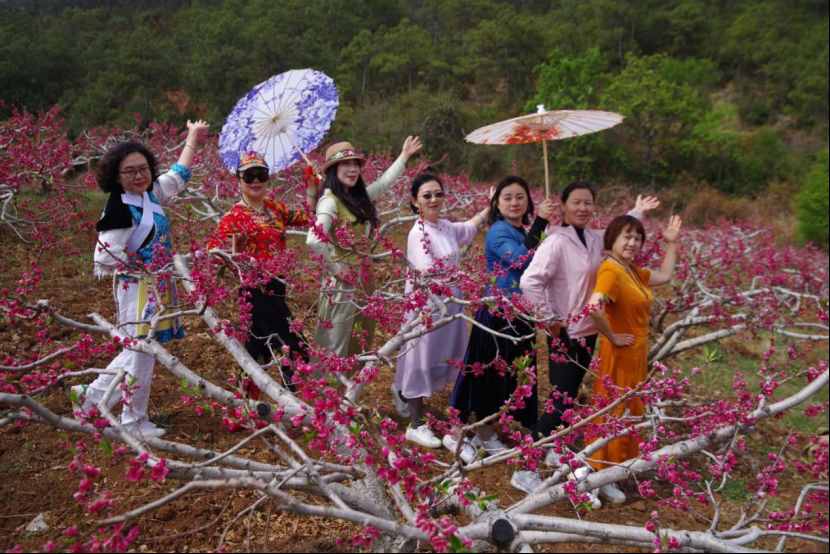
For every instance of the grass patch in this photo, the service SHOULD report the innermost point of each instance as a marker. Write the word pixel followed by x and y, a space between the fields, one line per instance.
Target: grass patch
pixel 735 490
pixel 720 364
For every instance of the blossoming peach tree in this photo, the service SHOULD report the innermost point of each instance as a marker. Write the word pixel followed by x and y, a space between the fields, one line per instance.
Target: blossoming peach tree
pixel 313 442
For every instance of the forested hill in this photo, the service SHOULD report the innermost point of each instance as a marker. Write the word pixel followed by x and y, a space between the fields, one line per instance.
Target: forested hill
pixel 733 93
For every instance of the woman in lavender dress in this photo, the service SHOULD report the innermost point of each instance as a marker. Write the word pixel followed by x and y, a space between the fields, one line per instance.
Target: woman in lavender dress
pixel 434 251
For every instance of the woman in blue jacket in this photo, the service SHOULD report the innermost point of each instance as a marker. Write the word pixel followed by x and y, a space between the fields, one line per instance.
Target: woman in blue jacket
pixel 507 248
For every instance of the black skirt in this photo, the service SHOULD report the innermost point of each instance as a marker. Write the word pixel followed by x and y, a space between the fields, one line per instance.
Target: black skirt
pixel 485 394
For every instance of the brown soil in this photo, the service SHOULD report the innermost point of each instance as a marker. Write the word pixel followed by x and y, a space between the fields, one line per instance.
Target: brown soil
pixel 33 460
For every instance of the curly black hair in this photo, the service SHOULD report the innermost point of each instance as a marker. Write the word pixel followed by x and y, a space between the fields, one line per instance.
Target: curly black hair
pixel 110 164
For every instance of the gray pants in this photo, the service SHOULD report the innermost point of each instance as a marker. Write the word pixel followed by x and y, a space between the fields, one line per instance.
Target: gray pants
pixel 343 335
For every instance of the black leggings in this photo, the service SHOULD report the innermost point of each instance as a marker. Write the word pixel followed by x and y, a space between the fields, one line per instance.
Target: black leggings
pixel 565 377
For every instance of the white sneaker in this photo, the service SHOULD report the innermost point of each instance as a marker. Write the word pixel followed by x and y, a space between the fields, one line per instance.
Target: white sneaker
pixel 525 481
pixel 579 475
pixel 423 435
pixel 401 406
pixel 612 493
pixel 145 428
pixel 468 453
pixel 492 445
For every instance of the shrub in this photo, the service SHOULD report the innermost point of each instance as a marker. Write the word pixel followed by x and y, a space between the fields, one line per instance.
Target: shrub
pixel 812 203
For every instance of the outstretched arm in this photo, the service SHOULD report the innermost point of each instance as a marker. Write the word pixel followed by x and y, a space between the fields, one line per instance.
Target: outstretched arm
pixel 670 235
pixel 410 147
pixel 642 205
pixel 195 131
pixel 175 180
pixel 481 217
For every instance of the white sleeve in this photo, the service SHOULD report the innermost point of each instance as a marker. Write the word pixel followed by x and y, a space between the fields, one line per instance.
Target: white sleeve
pixel 465 231
pixel 110 251
pixel 416 252
pixel 167 186
pixel 388 178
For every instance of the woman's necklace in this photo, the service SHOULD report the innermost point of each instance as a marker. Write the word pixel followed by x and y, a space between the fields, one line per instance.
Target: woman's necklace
pixel 633 275
pixel 261 211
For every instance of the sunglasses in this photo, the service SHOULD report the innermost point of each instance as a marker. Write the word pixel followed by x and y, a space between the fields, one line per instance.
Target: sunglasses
pixel 255 174
pixel 430 195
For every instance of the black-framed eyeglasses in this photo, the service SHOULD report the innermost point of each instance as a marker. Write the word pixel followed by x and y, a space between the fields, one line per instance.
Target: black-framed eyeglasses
pixel 438 195
pixel 133 172
pixel 255 174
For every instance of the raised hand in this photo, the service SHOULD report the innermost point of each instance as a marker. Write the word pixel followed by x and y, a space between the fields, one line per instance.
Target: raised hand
pixel 646 203
pixel 546 209
pixel 411 146
pixel 672 230
pixel 196 130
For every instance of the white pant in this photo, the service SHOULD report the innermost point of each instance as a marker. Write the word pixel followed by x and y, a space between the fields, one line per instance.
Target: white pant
pixel 138 365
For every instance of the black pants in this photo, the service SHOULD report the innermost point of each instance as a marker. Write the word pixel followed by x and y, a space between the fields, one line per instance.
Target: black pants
pixel 565 377
pixel 270 317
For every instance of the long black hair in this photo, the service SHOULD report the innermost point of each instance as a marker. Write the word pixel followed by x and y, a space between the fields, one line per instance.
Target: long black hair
pixel 355 198
pixel 110 165
pixel 495 214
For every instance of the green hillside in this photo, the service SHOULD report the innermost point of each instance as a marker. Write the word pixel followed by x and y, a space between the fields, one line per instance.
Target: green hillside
pixel 733 94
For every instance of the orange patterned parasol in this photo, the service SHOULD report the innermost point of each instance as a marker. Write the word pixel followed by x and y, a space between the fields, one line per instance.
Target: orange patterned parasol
pixel 543 126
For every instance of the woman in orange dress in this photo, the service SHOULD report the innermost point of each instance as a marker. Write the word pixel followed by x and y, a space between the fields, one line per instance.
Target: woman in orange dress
pixel 621 307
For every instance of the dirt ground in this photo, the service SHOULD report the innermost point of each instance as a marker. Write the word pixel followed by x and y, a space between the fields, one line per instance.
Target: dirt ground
pixel 33 460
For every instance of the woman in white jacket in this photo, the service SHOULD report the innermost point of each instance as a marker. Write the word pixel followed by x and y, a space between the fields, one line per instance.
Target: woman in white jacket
pixel 133 242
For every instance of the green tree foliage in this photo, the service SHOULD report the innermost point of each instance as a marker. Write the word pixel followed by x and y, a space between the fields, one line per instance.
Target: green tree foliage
pixel 502 52
pixel 569 82
pixel 781 46
pixel 445 67
pixel 573 82
pixel 813 203
pixel 660 111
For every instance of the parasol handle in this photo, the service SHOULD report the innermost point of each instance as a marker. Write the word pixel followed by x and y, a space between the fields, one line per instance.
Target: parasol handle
pixel 311 165
pixel 547 170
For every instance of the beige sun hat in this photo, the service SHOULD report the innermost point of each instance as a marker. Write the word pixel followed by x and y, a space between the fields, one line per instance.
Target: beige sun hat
pixel 340 152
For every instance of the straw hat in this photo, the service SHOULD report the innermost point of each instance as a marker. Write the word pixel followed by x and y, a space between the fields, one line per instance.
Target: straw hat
pixel 340 152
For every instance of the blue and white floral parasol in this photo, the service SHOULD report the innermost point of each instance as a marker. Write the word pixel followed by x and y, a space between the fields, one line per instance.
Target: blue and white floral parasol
pixel 282 118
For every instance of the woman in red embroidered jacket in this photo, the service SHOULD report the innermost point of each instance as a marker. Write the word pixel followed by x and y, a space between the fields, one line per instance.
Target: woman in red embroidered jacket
pixel 255 226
